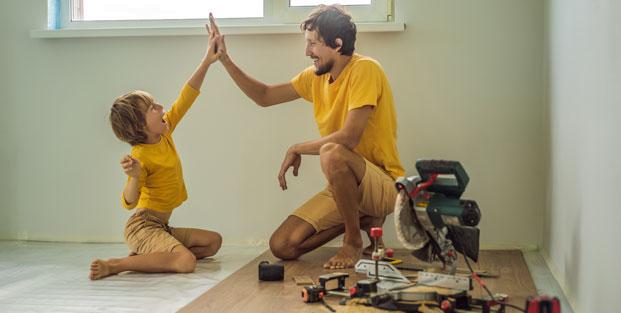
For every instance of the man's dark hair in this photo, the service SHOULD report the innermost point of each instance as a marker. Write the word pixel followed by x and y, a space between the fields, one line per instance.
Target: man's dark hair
pixel 331 22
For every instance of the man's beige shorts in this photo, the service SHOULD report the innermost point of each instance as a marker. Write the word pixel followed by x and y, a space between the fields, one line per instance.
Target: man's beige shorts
pixel 378 195
pixel 146 233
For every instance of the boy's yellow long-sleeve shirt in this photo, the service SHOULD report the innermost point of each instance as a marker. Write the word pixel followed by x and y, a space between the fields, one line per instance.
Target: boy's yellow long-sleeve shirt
pixel 161 183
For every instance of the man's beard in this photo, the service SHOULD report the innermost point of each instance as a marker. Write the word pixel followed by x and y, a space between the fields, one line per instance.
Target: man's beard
pixel 324 68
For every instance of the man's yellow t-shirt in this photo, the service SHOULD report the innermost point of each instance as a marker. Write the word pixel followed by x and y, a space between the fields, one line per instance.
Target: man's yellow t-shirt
pixel 362 82
pixel 162 186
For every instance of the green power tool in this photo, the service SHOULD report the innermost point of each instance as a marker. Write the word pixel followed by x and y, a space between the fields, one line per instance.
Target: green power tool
pixel 430 217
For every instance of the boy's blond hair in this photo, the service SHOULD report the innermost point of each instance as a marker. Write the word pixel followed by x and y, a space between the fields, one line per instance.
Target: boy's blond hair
pixel 127 116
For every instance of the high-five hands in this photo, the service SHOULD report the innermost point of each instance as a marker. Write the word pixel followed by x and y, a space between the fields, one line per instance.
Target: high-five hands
pixel 215 31
pixel 292 159
pixel 131 166
pixel 216 42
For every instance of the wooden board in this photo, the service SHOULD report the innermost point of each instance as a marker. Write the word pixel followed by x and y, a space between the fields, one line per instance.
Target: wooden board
pixel 243 292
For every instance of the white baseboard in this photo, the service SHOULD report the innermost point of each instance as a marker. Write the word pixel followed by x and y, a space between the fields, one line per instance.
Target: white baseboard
pixel 546 280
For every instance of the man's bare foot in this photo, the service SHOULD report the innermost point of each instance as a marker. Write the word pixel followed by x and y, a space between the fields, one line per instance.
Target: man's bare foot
pixel 99 269
pixel 345 258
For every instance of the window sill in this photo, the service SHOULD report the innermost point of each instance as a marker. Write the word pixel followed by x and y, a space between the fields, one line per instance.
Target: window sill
pixel 199 31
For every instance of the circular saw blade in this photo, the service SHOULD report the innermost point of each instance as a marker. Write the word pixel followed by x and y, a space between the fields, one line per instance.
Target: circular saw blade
pixel 409 230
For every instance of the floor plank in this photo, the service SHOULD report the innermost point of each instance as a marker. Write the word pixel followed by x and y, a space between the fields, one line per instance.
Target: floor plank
pixel 243 292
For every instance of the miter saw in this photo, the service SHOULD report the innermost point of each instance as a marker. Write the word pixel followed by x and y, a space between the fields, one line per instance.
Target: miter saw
pixel 431 219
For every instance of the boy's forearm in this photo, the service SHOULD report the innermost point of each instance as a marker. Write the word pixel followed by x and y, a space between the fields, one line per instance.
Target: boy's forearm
pixel 197 78
pixel 253 88
pixel 131 193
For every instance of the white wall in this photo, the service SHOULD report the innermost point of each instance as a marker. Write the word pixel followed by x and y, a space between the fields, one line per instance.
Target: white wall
pixel 467 79
pixel 582 223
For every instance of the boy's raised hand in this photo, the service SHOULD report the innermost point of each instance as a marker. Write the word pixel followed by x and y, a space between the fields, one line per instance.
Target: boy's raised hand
pixel 131 166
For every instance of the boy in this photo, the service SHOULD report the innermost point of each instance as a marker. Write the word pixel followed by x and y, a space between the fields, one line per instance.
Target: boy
pixel 155 183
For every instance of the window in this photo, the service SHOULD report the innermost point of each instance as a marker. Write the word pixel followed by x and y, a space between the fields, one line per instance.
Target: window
pixel 87 14
pixel 294 11
pixel 298 3
pixel 106 10
pixel 122 18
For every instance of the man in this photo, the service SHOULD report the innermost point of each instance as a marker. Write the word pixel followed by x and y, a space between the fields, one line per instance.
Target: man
pixel 357 149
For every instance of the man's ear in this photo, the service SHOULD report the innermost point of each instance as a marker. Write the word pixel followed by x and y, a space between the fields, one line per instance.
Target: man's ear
pixel 339 44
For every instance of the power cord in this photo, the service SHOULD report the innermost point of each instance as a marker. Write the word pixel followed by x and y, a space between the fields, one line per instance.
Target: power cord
pixel 482 284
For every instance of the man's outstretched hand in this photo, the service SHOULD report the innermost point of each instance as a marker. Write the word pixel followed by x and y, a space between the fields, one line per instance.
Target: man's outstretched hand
pixel 292 159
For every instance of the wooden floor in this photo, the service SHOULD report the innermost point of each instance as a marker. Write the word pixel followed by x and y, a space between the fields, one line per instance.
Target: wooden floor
pixel 243 292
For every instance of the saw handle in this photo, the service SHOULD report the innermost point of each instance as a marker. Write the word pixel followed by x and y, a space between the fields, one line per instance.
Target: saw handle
pixel 449 187
pixel 423 186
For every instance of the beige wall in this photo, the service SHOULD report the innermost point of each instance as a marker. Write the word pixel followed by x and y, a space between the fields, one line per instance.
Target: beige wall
pixel 581 231
pixel 466 75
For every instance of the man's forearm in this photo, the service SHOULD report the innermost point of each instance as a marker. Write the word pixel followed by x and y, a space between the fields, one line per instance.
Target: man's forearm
pixel 253 88
pixel 313 146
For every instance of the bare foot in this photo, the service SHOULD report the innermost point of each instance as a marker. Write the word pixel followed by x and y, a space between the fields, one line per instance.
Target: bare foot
pixel 345 258
pixel 99 269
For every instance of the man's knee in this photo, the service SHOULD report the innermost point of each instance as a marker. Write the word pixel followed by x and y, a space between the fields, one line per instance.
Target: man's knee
pixel 333 158
pixel 283 248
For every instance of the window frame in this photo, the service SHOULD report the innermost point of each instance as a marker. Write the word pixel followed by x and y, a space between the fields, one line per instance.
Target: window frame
pixel 59 24
pixel 276 12
pixel 377 11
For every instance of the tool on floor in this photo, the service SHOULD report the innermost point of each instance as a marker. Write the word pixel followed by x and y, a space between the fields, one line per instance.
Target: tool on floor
pixel 390 257
pixel 430 217
pixel 376 234
pixel 418 268
pixel 444 281
pixel 271 272
pixel 363 288
pixel 385 270
pixel 386 276
pixel 543 304
pixel 315 293
pixel 340 290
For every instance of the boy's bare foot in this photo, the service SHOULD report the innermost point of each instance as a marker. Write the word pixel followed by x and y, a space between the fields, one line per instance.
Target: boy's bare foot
pixel 345 258
pixel 99 269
